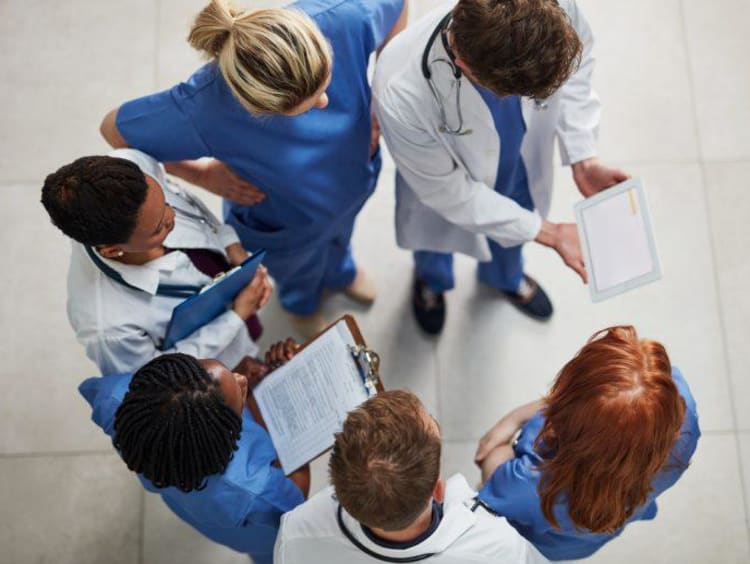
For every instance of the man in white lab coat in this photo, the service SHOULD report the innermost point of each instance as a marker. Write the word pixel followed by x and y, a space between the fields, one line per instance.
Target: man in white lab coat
pixel 470 100
pixel 388 503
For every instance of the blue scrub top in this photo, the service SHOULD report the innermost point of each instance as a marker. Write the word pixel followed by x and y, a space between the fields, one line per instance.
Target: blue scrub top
pixel 512 491
pixel 314 168
pixel 511 179
pixel 240 508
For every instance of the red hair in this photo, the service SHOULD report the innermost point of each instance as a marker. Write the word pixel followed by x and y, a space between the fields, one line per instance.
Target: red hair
pixel 611 419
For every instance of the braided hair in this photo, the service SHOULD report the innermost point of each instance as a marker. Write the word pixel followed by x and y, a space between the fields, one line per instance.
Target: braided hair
pixel 96 200
pixel 173 426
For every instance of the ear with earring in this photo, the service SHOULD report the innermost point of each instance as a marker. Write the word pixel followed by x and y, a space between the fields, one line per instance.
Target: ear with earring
pixel 120 253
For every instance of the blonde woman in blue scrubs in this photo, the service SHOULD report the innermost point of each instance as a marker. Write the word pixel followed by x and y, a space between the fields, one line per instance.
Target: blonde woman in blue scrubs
pixel 284 109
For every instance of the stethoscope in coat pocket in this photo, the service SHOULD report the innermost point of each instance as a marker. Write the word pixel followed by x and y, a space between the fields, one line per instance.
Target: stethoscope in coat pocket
pixel 457 73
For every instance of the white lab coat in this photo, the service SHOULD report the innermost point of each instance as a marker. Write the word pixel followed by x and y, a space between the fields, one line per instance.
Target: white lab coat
pixel 445 187
pixel 122 328
pixel 311 533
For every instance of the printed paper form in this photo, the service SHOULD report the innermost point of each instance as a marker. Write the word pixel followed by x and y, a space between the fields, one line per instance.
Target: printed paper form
pixel 618 240
pixel 306 401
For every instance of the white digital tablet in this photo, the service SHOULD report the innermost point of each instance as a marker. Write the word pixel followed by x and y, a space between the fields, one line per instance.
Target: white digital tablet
pixel 617 239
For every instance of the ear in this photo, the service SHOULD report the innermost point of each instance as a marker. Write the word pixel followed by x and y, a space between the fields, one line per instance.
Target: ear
pixel 438 492
pixel 109 251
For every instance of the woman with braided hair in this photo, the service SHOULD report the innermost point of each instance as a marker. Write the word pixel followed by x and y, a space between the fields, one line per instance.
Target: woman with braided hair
pixel 191 431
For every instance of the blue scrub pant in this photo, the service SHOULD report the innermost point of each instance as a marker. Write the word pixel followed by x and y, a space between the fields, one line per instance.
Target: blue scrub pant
pixel 302 274
pixel 503 272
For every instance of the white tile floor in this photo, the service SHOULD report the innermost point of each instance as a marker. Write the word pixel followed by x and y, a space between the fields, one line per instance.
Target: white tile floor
pixel 674 76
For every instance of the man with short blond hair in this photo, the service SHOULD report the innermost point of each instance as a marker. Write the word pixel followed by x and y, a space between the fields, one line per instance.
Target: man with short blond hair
pixel 388 503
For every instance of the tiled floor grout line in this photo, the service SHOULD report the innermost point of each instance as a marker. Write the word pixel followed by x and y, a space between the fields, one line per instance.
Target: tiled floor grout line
pixel 59 453
pixel 623 164
pixel 712 243
pixel 157 29
pixel 438 400
pixel 142 527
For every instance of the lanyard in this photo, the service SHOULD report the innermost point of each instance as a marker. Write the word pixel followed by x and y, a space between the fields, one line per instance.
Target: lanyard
pixel 170 290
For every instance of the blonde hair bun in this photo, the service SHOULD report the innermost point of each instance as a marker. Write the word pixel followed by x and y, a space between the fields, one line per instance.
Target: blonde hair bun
pixel 212 28
pixel 271 59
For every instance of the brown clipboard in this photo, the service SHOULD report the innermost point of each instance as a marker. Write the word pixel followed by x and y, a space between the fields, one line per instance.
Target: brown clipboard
pixel 351 324
pixel 367 360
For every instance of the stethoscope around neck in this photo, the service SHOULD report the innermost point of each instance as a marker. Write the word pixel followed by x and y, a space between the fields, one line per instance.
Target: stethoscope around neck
pixel 441 30
pixel 444 127
pixel 391 559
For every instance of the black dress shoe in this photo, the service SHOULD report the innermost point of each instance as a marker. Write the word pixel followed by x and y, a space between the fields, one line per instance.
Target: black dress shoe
pixel 536 304
pixel 429 308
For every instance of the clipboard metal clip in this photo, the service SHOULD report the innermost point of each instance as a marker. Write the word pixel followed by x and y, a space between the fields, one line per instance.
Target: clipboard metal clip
pixel 368 363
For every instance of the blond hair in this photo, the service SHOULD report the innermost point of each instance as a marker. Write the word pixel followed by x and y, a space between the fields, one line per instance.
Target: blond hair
pixel 272 59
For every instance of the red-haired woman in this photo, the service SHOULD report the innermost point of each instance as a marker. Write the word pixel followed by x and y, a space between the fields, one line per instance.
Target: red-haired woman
pixel 618 428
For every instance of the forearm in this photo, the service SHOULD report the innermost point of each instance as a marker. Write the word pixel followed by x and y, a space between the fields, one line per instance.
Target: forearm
pixel 189 171
pixel 518 417
pixel 301 478
pixel 498 456
pixel 548 234
pixel 109 131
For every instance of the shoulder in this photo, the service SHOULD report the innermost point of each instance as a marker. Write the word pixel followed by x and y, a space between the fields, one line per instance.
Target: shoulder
pixel 105 394
pixel 512 490
pixel 148 164
pixel 316 517
pixel 399 83
pixel 684 389
pixel 310 533
pixel 491 536
pixel 199 82
pixel 690 430
pixel 344 13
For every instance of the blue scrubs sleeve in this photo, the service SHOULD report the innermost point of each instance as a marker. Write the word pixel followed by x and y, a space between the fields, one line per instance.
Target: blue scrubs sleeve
pixel 105 394
pixel 511 491
pixel 158 126
pixel 682 452
pixel 279 496
pixel 382 15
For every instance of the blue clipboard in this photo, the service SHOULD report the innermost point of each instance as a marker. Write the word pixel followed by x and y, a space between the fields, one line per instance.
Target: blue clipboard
pixel 211 302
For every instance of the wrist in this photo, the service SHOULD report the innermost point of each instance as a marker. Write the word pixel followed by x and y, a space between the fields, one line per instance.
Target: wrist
pixel 582 166
pixel 190 171
pixel 548 234
pixel 242 311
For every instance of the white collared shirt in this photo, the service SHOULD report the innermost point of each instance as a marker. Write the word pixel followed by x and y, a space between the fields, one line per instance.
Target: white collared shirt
pixel 122 328
pixel 311 533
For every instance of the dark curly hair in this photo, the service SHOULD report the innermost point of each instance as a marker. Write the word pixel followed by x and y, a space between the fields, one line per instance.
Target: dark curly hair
pixel 96 200
pixel 516 47
pixel 173 425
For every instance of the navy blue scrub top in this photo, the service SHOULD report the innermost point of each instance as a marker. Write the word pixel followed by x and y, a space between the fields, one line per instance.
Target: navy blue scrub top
pixel 512 491
pixel 240 508
pixel 315 167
